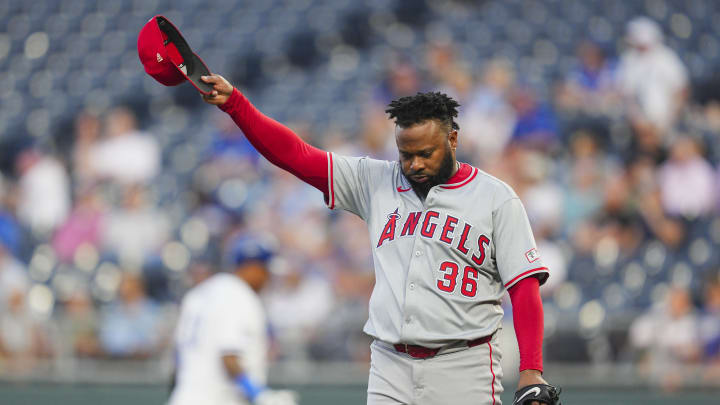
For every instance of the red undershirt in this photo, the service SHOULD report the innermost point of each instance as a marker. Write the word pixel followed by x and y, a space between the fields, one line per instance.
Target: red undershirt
pixel 283 148
pixel 461 174
pixel 528 317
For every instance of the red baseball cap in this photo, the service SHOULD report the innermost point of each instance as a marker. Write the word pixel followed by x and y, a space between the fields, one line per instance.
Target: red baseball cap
pixel 168 58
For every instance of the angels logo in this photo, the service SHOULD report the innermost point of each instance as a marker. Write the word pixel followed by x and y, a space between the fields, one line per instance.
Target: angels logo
pixel 159 58
pixel 532 255
pixel 388 232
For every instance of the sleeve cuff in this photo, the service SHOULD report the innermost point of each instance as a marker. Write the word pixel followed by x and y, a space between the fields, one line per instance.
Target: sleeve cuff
pixel 542 274
pixel 330 196
pixel 231 102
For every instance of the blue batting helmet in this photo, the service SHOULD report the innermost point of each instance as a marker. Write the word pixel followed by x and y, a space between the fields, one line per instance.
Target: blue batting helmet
pixel 246 248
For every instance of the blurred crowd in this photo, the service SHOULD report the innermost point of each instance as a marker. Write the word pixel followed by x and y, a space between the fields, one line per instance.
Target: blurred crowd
pixel 615 160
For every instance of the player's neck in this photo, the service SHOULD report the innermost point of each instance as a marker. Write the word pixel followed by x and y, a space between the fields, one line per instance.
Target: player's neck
pixel 455 169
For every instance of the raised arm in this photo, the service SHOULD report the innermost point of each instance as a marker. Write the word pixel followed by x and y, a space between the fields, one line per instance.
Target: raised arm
pixel 276 142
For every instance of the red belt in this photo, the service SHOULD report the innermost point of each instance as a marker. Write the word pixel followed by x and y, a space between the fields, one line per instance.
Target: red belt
pixel 421 352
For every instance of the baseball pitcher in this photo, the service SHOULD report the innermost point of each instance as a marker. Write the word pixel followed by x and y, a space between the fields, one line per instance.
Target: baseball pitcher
pixel 448 240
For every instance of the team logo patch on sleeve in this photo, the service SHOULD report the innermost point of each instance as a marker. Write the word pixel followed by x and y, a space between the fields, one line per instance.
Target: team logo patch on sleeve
pixel 532 255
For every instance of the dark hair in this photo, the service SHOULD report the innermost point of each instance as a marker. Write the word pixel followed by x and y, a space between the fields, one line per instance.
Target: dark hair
pixel 411 110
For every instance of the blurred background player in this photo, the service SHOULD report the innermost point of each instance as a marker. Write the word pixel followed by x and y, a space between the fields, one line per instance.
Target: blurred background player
pixel 221 337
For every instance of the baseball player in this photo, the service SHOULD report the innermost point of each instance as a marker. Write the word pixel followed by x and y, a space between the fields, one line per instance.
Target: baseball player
pixel 448 240
pixel 221 336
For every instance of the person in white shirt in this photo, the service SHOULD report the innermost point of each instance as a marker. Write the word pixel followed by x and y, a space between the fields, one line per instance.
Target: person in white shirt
pixel 651 76
pixel 43 193
pixel 126 155
pixel 221 336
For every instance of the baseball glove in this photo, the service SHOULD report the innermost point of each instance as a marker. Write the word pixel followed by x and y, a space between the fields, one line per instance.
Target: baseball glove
pixel 542 393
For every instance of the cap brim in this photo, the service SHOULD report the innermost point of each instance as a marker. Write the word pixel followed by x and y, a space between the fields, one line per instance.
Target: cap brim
pixel 200 69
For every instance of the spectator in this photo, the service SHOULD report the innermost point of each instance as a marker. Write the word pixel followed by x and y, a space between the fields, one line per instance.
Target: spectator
pixel 687 173
pixel 80 324
pixel 623 232
pixel 135 230
pixel 351 246
pixel 293 206
pixel 447 72
pixel 125 155
pixel 442 63
pixel 536 124
pixel 129 326
pixel 10 232
pixel 584 176
pixel 83 226
pixel 311 298
pixel 13 276
pixel 635 193
pixel 401 79
pixel 377 138
pixel 487 121
pixel 341 337
pixel 651 77
pixel 87 134
pixel 22 339
pixel 542 197
pixel 589 87
pixel 710 320
pixel 230 154
pixel 667 337
pixel 43 191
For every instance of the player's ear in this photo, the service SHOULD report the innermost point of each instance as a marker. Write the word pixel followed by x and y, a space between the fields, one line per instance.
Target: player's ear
pixel 452 139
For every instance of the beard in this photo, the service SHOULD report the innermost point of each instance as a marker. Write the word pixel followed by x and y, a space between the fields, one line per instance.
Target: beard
pixel 441 177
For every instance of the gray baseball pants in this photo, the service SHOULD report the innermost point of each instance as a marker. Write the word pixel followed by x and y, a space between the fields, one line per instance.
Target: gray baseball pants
pixel 457 375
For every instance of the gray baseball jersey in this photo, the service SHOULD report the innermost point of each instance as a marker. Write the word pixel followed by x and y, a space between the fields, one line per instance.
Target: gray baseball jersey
pixel 442 264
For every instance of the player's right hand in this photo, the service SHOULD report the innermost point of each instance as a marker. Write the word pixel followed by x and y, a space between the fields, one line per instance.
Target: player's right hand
pixel 222 89
pixel 276 397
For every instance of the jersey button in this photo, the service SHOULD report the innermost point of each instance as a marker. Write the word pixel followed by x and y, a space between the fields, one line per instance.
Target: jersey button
pixel 418 253
pixel 412 286
pixel 408 319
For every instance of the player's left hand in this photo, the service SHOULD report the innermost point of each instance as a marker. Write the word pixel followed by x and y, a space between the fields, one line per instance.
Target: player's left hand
pixel 529 379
